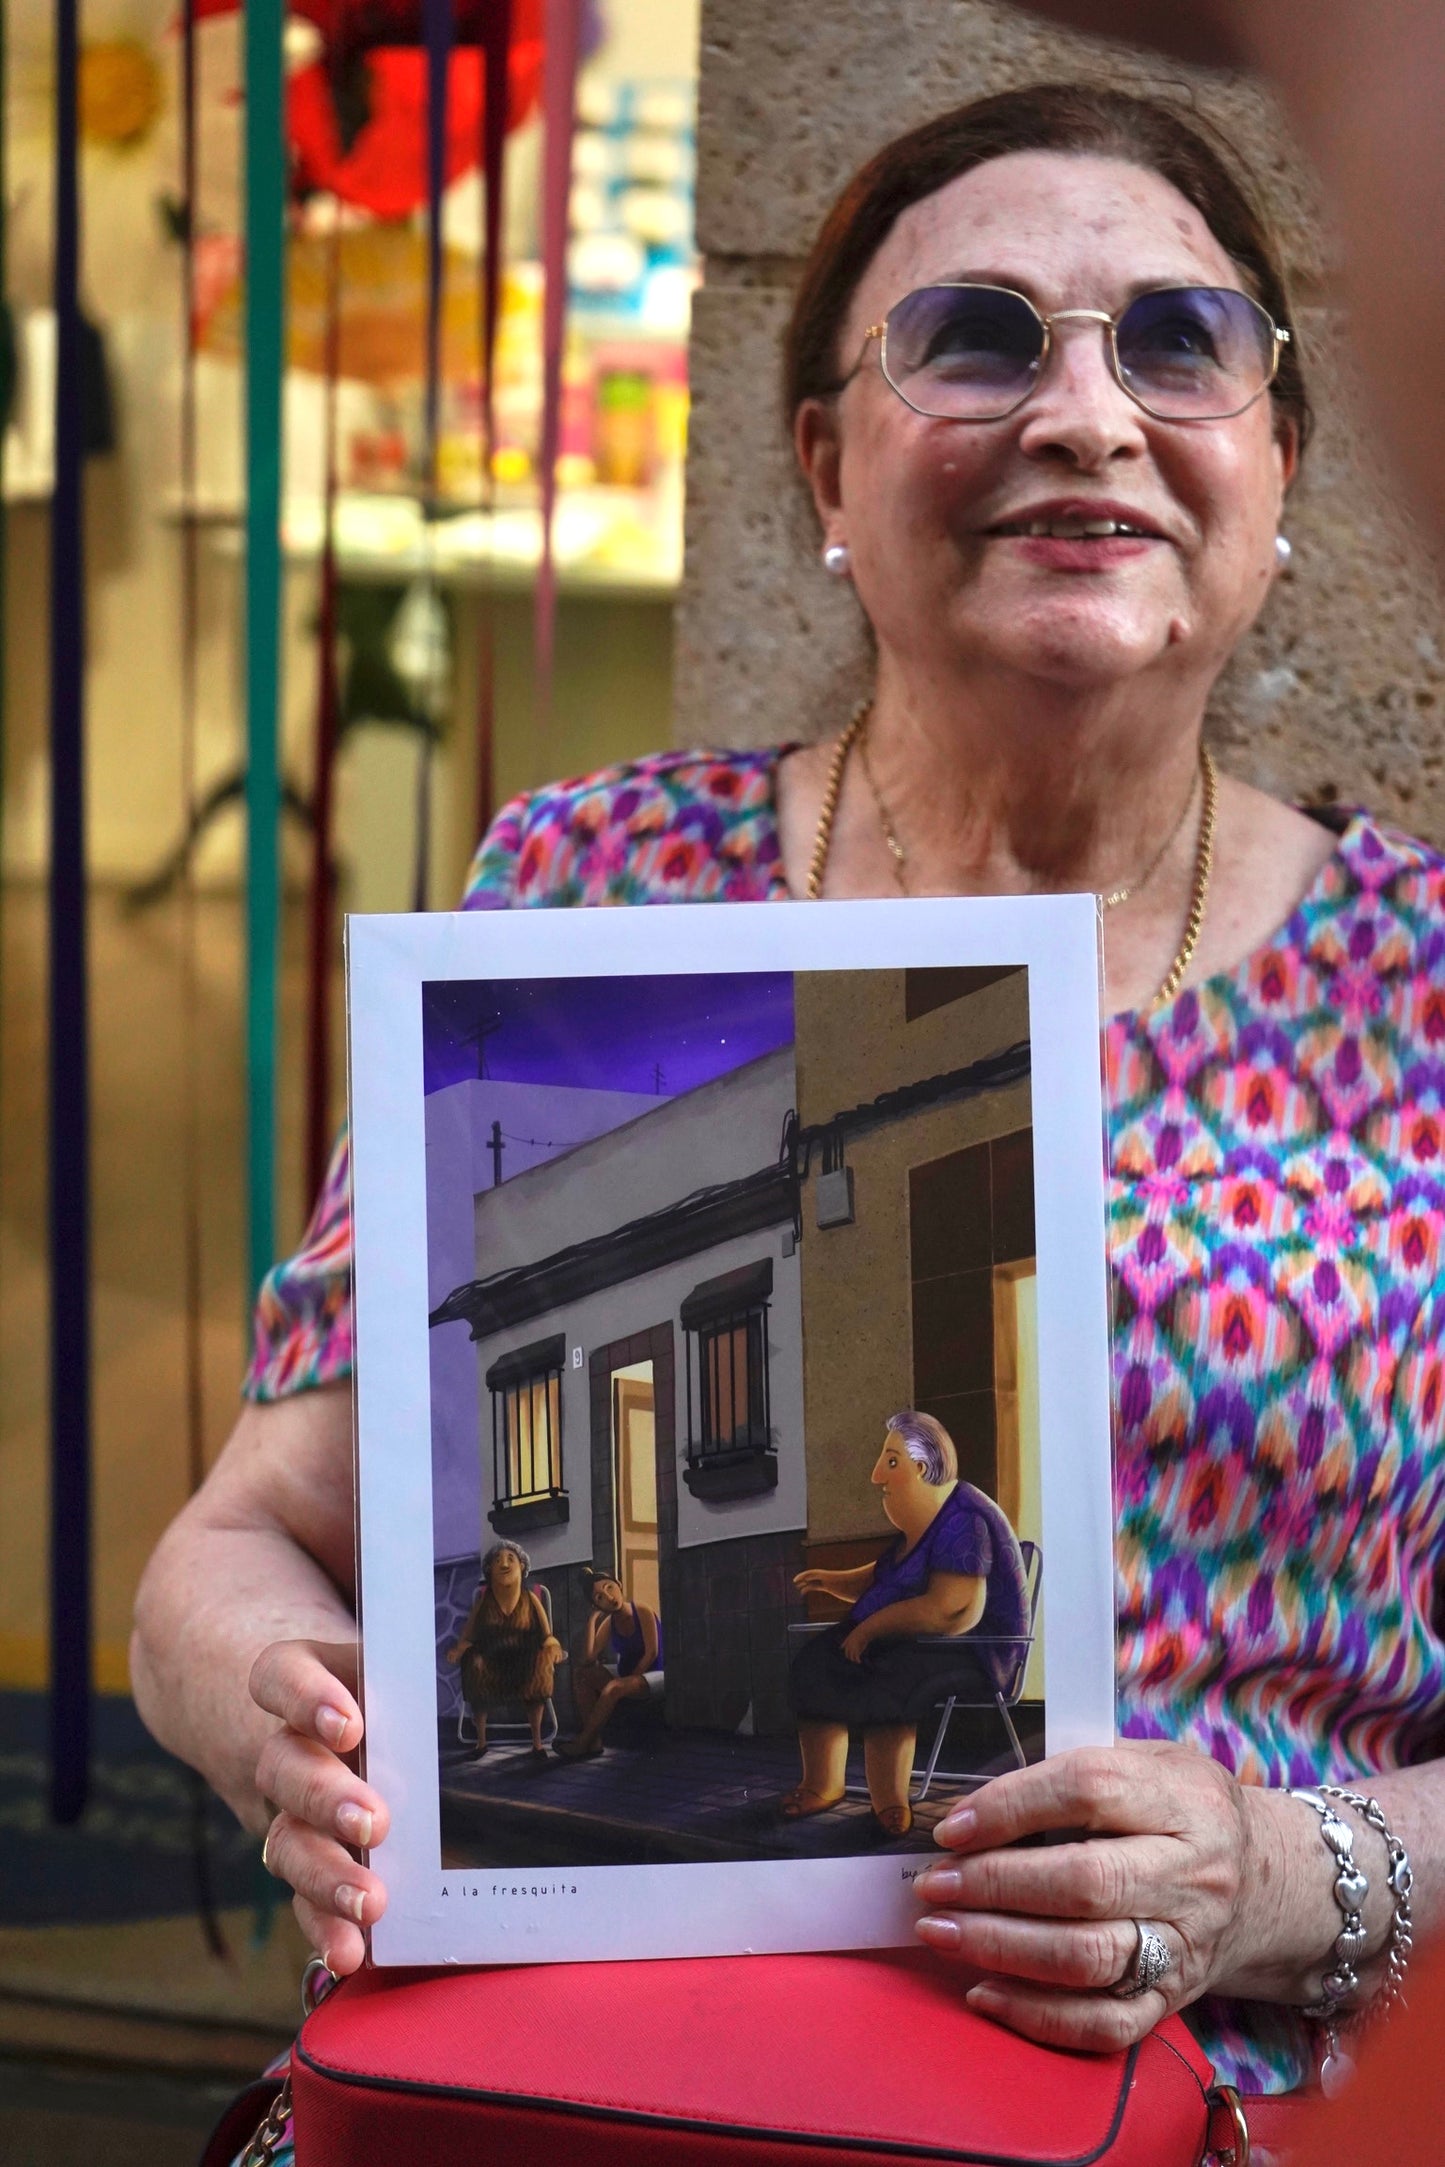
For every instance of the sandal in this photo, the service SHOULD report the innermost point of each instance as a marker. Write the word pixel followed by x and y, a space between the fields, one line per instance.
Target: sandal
pixel 893 1820
pixel 792 1806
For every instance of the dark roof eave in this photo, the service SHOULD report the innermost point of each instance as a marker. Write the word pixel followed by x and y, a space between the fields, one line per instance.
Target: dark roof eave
pixel 733 1209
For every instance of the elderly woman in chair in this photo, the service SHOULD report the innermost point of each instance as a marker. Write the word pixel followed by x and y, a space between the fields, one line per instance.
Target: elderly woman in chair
pixel 954 1567
pixel 507 1649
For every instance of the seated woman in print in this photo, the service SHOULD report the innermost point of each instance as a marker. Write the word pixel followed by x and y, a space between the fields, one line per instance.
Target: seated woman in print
pixel 507 1649
pixel 620 1660
pixel 954 1567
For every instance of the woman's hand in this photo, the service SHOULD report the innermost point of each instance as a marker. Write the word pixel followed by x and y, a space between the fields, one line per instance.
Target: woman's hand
pixel 1160 1833
pixel 322 1806
pixel 860 1639
pixel 816 1582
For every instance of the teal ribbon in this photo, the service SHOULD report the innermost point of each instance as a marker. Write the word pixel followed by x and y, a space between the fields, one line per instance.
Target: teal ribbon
pixel 265 316
pixel 265 308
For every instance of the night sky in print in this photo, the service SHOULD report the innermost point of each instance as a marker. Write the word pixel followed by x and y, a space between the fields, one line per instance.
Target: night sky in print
pixel 662 1035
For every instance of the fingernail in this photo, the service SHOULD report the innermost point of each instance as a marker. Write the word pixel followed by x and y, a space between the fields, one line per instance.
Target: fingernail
pixel 939 1933
pixel 939 1884
pixel 331 1724
pixel 986 1998
pixel 957 1826
pixel 351 1902
pixel 353 1824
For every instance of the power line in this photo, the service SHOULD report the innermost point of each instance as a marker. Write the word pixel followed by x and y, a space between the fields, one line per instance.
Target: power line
pixel 546 1143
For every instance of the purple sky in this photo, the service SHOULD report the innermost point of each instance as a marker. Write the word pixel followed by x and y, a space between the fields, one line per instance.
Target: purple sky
pixel 606 1034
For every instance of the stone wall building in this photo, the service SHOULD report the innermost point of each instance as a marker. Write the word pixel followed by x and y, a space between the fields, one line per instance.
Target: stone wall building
pixel 1338 694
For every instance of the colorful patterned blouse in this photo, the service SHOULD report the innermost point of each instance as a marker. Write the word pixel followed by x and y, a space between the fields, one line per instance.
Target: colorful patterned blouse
pixel 1276 1209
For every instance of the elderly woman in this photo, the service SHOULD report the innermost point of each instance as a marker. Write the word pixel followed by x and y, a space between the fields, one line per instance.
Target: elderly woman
pixel 507 1648
pixel 953 1568
pixel 1048 401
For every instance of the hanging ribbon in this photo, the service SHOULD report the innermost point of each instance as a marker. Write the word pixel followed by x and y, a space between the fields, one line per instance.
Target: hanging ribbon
pixel 265 276
pixel 318 1066
pixel 437 31
pixel 265 304
pixel 496 39
pixel 70 1561
pixel 559 104
pixel 437 25
pixel 200 1800
pixel 7 379
pixel 190 647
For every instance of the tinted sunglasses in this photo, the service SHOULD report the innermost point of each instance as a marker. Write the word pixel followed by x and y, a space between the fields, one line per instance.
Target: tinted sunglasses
pixel 974 353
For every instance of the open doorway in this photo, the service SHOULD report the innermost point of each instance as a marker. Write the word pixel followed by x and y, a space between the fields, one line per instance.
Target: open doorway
pixel 633 1423
pixel 634 1483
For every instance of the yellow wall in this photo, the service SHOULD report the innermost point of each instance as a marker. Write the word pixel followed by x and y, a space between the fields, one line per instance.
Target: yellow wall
pixel 853 1042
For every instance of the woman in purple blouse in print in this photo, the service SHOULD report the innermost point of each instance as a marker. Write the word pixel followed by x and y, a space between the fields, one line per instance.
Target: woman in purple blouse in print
pixel 1048 402
pixel 954 1567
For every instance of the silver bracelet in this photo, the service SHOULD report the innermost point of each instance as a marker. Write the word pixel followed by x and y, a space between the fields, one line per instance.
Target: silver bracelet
pixel 1351 1888
pixel 1402 1882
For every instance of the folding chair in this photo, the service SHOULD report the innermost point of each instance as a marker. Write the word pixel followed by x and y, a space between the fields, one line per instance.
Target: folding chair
pixel 961 1679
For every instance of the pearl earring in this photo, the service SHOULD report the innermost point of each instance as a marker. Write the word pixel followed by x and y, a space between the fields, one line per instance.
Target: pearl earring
pixel 838 559
pixel 1283 550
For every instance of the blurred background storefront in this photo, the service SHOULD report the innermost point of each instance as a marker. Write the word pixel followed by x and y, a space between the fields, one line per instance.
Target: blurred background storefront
pixel 143 1937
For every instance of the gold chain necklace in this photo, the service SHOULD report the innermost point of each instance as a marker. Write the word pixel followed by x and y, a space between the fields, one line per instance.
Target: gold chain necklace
pixel 856 733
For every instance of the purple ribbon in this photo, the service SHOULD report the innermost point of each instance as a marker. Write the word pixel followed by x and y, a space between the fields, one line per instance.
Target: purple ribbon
pixel 70 1562
pixel 559 100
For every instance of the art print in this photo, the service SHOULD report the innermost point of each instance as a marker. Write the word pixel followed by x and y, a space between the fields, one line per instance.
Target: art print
pixel 732 1414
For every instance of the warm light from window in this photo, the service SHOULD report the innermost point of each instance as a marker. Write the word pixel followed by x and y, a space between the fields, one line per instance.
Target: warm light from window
pixel 534 1427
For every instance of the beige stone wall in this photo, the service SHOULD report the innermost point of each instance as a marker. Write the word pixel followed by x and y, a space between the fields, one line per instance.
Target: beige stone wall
pixel 853 1043
pixel 1340 690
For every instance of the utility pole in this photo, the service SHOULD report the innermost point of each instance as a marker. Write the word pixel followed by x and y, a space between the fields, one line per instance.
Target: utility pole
pixel 657 1078
pixel 494 1145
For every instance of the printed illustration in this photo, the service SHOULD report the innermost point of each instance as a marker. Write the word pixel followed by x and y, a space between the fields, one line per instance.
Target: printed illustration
pixel 734 1410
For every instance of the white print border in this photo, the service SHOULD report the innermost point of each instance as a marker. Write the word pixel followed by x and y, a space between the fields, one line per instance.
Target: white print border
pixel 481 1915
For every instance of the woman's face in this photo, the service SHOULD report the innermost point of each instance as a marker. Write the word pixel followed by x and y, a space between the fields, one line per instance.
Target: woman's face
pixel 899 1477
pixel 504 1575
pixel 925 504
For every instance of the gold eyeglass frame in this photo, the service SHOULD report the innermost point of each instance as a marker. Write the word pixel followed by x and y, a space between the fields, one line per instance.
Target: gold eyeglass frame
pixel 1280 338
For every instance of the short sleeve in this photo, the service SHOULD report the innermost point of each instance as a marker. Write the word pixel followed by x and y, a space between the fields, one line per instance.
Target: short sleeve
pixel 491 882
pixel 301 1333
pixel 965 1546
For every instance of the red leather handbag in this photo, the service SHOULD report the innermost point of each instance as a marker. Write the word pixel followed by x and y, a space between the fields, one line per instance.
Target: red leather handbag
pixel 729 2062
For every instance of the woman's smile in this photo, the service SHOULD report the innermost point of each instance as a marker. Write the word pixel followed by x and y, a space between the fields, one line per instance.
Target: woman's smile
pixel 1079 534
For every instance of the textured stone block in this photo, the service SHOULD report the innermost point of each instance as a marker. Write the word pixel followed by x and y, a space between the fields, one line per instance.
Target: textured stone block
pixel 795 97
pixel 768 647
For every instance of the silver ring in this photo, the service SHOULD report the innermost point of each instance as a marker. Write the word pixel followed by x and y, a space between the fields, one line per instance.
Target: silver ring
pixel 1153 1960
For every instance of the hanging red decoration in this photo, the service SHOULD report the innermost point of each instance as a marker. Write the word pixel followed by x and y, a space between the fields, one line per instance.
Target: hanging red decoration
pixel 356 117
